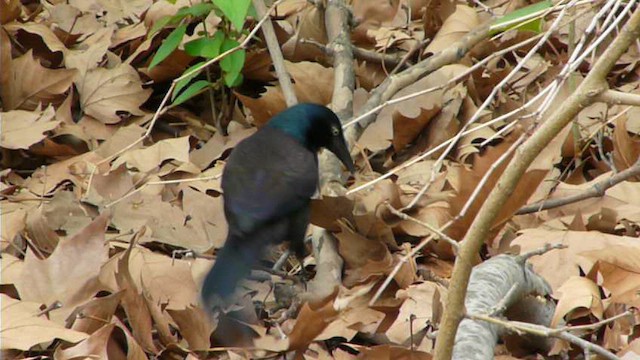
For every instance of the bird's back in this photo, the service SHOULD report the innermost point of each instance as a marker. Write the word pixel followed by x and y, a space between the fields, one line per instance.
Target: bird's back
pixel 267 176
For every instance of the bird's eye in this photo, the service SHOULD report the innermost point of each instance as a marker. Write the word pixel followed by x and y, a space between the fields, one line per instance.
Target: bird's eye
pixel 335 131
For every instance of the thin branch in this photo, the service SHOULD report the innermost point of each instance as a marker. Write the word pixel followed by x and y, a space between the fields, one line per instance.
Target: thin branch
pixel 539 330
pixel 390 60
pixel 545 249
pixel 596 190
pixel 276 55
pixel 163 182
pixel 586 93
pixel 440 234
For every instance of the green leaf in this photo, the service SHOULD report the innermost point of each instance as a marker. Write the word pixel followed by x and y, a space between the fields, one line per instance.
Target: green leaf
pixel 205 47
pixel 184 82
pixel 198 10
pixel 191 91
pixel 233 79
pixel 234 10
pixel 233 62
pixel 252 12
pixel 158 25
pixel 168 45
pixel 522 19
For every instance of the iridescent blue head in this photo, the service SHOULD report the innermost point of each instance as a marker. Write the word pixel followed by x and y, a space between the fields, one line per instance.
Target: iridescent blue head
pixel 314 126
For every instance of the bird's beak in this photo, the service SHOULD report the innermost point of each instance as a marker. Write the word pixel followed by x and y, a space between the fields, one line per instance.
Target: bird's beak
pixel 339 148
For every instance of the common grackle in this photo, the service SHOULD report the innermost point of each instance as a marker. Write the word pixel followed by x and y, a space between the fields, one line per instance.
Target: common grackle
pixel 267 183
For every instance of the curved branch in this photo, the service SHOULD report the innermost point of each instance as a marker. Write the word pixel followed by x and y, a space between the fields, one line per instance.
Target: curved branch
pixel 586 93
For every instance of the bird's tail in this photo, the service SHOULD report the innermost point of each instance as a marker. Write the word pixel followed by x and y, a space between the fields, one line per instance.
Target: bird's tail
pixel 233 264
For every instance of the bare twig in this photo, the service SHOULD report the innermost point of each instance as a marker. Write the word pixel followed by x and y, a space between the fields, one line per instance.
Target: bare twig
pixel 163 182
pixel 276 55
pixel 563 333
pixel 390 60
pixel 585 94
pixel 545 249
pixel 596 190
pixel 438 232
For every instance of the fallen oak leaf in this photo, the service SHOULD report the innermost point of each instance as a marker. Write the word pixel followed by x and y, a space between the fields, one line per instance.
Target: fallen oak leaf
pixel 21 129
pixel 22 328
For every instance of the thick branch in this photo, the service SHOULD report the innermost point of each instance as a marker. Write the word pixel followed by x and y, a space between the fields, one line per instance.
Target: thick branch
pixel 501 277
pixel 329 263
pixel 593 85
pixel 615 97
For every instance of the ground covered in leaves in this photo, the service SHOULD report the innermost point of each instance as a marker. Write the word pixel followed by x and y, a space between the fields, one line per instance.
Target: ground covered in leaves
pixel 112 208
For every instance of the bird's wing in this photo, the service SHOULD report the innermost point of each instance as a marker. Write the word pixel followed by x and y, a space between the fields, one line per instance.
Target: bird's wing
pixel 267 176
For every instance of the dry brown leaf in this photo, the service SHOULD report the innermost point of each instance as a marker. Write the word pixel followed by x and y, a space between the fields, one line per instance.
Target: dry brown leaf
pixel 95 346
pixel 71 21
pixel 134 303
pixel 23 328
pixel 37 85
pixel 402 122
pixel 215 147
pixel 89 54
pixel 147 159
pixel 5 55
pixel 168 223
pixel 70 274
pixel 13 222
pixel 166 280
pixel 76 170
pixel 48 37
pixel 44 238
pixel 106 188
pixel 209 212
pixel 357 250
pixel 619 197
pixel 619 268
pixel 11 269
pixel 313 83
pixel 371 15
pixel 463 20
pixel 577 295
pixel 471 178
pixel 21 129
pixel 123 137
pixel 418 302
pixel 558 266
pixel 386 352
pixel 311 321
pixel 356 317
pixel 121 12
pixel 110 94
pixel 630 352
pixel 194 325
pixel 93 315
pixel 9 10
pixel 626 148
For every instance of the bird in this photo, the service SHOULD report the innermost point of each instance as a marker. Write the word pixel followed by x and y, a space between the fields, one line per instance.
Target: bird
pixel 267 184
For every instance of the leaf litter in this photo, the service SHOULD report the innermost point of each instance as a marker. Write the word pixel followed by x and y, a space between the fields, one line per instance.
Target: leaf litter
pixel 106 236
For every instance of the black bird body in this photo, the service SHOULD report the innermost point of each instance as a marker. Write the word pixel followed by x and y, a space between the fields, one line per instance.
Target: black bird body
pixel 267 183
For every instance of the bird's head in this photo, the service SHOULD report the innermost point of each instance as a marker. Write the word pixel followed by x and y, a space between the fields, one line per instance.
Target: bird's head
pixel 315 126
